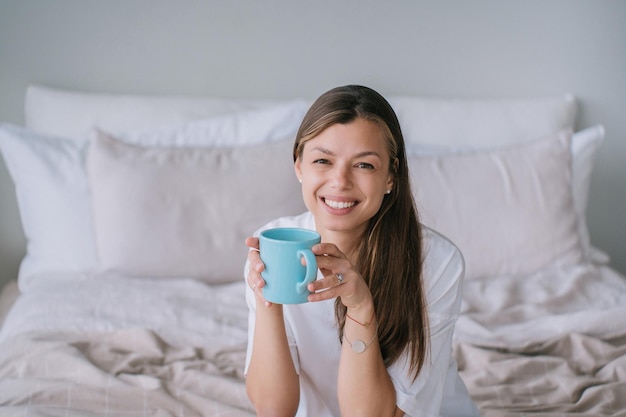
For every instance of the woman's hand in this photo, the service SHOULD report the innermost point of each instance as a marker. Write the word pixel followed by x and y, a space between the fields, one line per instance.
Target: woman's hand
pixel 340 278
pixel 254 279
pixel 270 362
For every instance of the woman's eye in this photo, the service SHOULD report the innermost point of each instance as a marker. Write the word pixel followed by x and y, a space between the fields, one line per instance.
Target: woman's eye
pixel 364 165
pixel 321 161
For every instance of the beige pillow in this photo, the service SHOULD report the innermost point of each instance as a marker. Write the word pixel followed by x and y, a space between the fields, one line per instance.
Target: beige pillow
pixel 185 212
pixel 510 210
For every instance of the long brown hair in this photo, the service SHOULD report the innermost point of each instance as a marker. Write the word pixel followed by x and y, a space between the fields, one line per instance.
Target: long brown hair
pixel 390 253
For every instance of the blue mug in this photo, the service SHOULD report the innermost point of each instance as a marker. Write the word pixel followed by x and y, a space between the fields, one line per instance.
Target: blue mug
pixel 282 250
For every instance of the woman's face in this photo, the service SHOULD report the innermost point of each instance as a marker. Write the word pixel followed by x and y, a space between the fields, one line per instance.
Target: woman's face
pixel 345 173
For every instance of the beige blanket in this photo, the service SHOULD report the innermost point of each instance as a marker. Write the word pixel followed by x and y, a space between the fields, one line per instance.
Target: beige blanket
pixel 570 375
pixel 549 344
pixel 120 373
pixel 135 373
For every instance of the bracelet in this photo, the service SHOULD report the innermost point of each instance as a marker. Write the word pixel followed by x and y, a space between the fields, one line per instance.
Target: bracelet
pixel 367 323
pixel 359 346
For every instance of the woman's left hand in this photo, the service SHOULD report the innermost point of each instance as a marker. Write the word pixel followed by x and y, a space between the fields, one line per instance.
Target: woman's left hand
pixel 340 278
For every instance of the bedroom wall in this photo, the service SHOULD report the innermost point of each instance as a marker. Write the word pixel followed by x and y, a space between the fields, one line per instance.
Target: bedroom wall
pixel 286 48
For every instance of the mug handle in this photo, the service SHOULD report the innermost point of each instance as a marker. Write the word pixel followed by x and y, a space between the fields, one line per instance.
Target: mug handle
pixel 311 269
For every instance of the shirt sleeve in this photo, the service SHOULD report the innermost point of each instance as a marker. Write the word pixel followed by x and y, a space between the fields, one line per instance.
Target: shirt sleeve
pixel 442 272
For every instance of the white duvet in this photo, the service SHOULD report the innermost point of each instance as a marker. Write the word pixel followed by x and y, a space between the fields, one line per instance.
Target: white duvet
pixel 184 312
pixel 514 312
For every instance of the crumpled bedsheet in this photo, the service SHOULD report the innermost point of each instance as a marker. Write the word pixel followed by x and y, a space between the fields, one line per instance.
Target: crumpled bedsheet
pixel 130 372
pixel 550 344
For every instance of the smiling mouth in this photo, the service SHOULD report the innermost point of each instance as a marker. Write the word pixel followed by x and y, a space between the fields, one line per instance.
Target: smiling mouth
pixel 339 204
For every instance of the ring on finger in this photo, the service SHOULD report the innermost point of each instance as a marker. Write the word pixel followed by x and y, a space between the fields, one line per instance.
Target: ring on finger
pixel 339 278
pixel 254 286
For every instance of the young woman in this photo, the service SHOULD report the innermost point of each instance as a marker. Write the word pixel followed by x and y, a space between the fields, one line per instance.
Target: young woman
pixel 375 337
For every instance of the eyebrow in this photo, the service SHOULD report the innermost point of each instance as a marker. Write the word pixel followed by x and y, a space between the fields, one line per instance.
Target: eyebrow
pixel 359 155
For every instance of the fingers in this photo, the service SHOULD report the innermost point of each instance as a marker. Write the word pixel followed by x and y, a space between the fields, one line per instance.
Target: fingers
pixel 256 266
pixel 329 281
pixel 329 257
pixel 254 258
pixel 331 287
pixel 254 279
pixel 340 278
pixel 332 263
pixel 257 283
pixel 328 249
pixel 252 243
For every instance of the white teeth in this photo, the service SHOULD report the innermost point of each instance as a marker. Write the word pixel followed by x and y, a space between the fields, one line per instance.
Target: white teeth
pixel 339 204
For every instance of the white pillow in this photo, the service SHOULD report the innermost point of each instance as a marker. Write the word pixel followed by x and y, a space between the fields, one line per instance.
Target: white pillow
pixel 510 210
pixel 53 193
pixel 54 201
pixel 245 128
pixel 584 146
pixel 73 114
pixel 482 122
pixel 185 212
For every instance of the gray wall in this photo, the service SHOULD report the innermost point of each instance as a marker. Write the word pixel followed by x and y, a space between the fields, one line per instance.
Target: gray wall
pixel 295 48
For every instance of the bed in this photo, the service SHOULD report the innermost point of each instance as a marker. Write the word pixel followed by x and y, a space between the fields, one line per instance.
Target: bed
pixel 130 299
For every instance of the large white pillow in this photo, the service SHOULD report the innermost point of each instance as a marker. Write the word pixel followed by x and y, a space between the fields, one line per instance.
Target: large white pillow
pixel 584 146
pixel 242 128
pixel 73 114
pixel 54 201
pixel 510 210
pixel 482 122
pixel 185 212
pixel 53 193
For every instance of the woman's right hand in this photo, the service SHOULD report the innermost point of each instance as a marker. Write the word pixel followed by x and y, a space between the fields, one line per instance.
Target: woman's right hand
pixel 270 361
pixel 254 279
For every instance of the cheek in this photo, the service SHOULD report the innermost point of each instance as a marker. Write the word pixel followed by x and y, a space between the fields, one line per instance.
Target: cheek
pixel 377 202
pixel 311 179
pixel 377 193
pixel 308 190
pixel 375 188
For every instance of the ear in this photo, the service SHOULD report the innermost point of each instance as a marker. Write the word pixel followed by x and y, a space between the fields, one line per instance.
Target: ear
pixel 297 169
pixel 389 185
pixel 393 169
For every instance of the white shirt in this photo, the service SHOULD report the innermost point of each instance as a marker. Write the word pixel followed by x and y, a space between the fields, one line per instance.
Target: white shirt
pixel 315 348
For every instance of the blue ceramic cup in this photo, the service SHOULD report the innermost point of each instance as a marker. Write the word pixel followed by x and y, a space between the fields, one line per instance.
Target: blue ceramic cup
pixel 282 250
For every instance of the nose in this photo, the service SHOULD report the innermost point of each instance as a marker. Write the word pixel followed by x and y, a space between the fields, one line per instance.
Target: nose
pixel 341 178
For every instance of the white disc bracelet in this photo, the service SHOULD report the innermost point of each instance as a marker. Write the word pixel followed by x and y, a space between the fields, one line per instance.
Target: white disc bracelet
pixel 359 346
